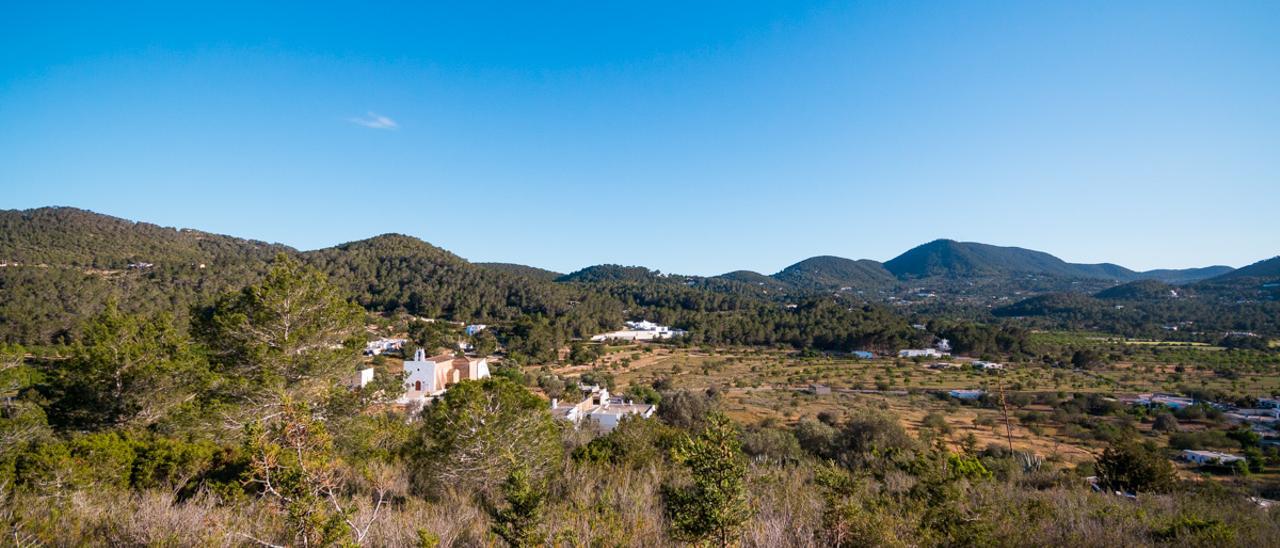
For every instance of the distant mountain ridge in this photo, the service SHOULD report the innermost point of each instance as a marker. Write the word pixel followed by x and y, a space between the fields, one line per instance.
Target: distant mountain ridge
pixel 82 259
pixel 952 260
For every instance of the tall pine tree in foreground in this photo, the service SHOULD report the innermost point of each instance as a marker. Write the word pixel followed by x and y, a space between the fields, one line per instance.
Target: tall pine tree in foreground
pixel 714 506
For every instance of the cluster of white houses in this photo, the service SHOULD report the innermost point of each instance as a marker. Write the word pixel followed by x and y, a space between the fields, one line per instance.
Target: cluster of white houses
pixel 374 348
pixel 600 411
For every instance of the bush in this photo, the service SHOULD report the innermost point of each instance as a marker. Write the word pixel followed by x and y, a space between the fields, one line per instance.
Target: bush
pixel 1135 468
pixel 1165 422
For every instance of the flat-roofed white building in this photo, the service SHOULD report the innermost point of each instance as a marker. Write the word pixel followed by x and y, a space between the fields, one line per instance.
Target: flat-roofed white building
pixel 600 410
pixel 1209 457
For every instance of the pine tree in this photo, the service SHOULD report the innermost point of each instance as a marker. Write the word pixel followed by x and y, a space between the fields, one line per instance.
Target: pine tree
pixel 713 507
pixel 518 521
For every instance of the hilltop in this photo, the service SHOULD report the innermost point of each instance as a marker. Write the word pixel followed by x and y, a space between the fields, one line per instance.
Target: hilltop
pixel 834 272
pixel 1269 268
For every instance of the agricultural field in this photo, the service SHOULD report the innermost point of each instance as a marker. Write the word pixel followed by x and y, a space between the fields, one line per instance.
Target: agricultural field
pixel 1061 413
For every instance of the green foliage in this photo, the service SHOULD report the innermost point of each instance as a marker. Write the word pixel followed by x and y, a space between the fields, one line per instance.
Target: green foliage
pixel 1165 422
pixel 848 517
pixel 518 520
pixel 433 336
pixel 772 445
pixel 484 343
pixel 129 371
pixel 1134 468
pixel 1192 530
pixel 864 439
pixel 294 463
pixel 21 420
pixel 474 434
pixel 293 334
pixel 643 393
pixel 714 506
pixel 582 354
pixel 687 409
pixel 636 442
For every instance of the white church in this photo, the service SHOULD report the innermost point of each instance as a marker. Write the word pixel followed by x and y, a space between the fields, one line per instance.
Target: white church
pixel 426 378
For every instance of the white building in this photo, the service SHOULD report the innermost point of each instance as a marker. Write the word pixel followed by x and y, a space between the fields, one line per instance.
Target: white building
pixel 600 410
pixel 1167 400
pixel 361 378
pixel 987 366
pixel 474 328
pixel 919 353
pixel 641 331
pixel 426 378
pixel 943 345
pixel 966 394
pixel 374 348
pixel 1209 457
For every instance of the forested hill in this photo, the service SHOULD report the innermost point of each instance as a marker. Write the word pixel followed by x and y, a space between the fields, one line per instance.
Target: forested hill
pixel 70 237
pixel 949 258
pixel 396 272
pixel 48 302
pixel 966 259
pixel 828 272
pixel 1185 275
pixel 64 264
pixel 1269 268
pixel 611 273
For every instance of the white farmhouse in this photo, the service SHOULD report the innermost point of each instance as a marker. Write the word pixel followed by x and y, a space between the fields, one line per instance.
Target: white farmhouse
pixel 640 331
pixel 1209 457
pixel 919 353
pixel 601 411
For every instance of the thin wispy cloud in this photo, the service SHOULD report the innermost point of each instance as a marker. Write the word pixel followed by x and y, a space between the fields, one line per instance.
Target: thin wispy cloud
pixel 375 121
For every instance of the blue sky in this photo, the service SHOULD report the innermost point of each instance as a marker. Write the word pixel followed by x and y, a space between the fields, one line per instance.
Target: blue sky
pixel 692 137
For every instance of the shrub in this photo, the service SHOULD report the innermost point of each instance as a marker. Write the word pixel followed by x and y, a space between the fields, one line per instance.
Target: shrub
pixel 1135 468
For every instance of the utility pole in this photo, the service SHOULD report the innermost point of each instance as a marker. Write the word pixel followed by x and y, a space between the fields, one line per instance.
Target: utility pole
pixel 1004 408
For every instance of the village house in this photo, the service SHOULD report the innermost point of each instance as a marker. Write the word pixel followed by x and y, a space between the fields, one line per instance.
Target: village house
pixel 600 410
pixel 1209 457
pixel 987 366
pixel 374 348
pixel 919 353
pixel 426 377
pixel 361 378
pixel 966 394
pixel 863 355
pixel 1167 400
